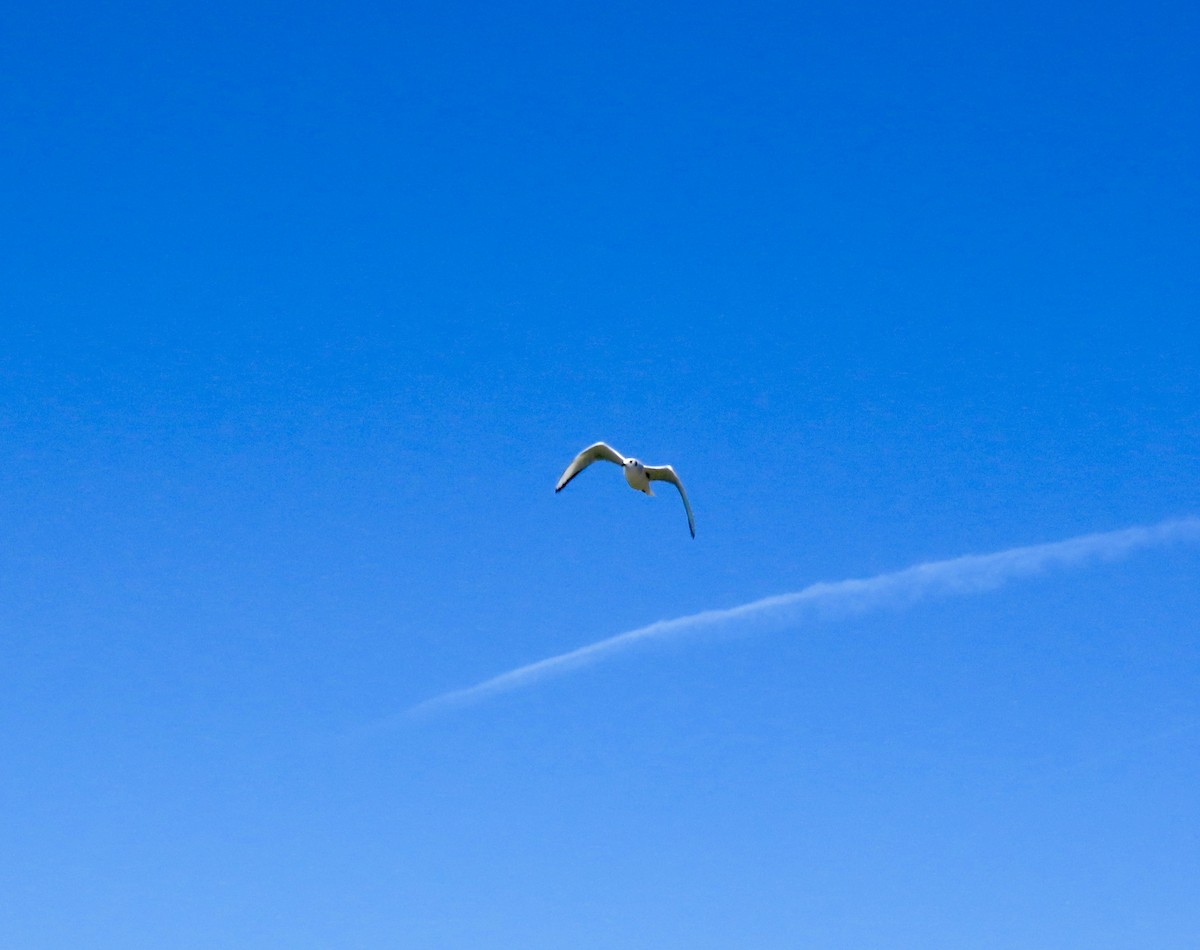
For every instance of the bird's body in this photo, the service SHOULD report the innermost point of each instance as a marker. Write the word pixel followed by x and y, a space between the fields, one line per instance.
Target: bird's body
pixel 637 475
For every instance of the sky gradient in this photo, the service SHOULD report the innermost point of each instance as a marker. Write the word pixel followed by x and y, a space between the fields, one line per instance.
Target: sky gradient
pixel 305 309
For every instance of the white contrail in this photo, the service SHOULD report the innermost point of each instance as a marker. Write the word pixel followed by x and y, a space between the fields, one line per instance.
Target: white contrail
pixel 961 575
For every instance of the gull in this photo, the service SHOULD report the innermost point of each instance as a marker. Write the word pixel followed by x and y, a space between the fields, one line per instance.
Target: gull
pixel 638 476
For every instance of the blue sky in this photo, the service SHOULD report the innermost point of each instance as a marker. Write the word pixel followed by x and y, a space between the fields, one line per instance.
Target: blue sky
pixel 307 307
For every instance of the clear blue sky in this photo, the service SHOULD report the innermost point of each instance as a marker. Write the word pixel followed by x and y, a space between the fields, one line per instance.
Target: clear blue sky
pixel 306 307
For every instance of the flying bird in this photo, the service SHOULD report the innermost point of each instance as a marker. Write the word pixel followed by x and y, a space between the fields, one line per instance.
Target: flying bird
pixel 638 476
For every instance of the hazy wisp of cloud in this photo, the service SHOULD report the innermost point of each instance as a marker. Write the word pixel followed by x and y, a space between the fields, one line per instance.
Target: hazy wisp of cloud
pixel 969 574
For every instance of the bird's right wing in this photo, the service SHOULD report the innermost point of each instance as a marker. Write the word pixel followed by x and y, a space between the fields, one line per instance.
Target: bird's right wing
pixel 593 453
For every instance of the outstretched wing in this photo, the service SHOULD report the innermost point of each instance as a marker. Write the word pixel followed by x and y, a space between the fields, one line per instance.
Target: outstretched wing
pixel 664 473
pixel 593 453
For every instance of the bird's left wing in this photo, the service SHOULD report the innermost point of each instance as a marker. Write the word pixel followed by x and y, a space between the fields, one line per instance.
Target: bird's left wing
pixel 664 473
pixel 593 453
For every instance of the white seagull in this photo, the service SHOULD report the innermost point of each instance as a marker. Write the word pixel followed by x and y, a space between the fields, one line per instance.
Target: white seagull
pixel 638 475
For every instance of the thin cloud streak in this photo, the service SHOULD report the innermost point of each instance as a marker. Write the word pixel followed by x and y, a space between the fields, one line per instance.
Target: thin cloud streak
pixel 960 576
